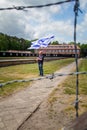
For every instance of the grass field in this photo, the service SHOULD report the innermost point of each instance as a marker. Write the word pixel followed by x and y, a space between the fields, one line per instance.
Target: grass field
pixel 26 71
pixel 65 93
pixel 70 85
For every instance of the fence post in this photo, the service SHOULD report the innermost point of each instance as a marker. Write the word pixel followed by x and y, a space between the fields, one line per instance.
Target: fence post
pixel 76 56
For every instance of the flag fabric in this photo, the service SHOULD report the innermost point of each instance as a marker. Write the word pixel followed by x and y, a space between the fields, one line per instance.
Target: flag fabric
pixel 42 42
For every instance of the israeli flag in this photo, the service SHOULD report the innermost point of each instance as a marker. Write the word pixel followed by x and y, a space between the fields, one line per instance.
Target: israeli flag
pixel 42 42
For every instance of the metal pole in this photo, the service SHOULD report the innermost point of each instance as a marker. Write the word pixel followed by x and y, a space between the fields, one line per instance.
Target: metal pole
pixel 76 55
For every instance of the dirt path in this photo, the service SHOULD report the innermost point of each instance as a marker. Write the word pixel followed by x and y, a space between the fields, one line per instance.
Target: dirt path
pixel 49 115
pixel 30 109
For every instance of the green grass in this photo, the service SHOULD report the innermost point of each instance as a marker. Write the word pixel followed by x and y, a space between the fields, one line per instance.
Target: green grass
pixel 9 89
pixel 70 83
pixel 26 71
pixel 65 93
pixel 30 70
pixel 50 67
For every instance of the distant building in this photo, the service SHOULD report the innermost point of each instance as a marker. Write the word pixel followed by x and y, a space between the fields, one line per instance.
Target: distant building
pixel 12 53
pixel 66 50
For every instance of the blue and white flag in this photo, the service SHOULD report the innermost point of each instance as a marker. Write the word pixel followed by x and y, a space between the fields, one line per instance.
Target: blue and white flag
pixel 42 42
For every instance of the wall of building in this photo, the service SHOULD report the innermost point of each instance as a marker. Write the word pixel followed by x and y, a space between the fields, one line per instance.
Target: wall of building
pixel 60 50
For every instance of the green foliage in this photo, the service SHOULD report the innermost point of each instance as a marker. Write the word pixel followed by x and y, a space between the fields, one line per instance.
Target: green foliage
pixel 13 43
pixel 55 43
pixel 83 48
pixel 71 43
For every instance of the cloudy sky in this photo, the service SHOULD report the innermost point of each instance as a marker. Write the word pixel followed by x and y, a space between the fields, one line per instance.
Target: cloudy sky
pixel 57 20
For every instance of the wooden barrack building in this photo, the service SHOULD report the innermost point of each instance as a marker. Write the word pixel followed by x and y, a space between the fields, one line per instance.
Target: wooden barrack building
pixel 67 50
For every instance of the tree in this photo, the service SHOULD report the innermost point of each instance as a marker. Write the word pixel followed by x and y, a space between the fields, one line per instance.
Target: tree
pixel 13 43
pixel 55 43
pixel 83 48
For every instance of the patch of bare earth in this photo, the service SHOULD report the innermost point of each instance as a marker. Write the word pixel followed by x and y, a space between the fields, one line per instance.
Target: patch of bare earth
pixel 55 112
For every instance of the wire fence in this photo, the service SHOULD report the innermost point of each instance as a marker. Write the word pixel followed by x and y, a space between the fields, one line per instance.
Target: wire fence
pixel 50 76
pixel 76 10
pixel 37 6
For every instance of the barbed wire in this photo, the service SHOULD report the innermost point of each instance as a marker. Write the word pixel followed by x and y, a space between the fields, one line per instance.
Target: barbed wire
pixel 76 9
pixel 51 76
pixel 36 6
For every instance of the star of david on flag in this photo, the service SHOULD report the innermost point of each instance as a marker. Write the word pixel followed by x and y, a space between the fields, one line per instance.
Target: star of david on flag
pixel 42 42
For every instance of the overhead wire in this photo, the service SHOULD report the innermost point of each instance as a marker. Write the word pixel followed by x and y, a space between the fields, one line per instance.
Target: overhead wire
pixel 35 6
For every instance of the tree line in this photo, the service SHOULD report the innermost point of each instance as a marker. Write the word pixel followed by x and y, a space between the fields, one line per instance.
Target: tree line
pixel 14 43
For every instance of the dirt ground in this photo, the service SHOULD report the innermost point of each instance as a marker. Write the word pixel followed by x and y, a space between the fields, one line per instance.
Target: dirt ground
pixel 54 113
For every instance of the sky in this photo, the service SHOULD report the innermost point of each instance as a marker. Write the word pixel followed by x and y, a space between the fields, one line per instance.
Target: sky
pixel 35 23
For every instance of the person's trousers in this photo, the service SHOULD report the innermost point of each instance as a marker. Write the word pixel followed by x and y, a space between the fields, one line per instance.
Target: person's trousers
pixel 40 65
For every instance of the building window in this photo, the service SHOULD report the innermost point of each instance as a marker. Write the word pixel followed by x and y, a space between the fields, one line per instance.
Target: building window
pixel 59 50
pixel 4 54
pixel 66 50
pixel 70 50
pixel 77 50
pixel 10 54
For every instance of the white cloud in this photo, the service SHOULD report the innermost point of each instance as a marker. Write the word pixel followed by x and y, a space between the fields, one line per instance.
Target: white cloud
pixel 83 26
pixel 83 4
pixel 36 23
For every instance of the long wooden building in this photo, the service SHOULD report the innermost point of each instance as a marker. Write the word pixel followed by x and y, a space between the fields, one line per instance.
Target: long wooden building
pixel 60 50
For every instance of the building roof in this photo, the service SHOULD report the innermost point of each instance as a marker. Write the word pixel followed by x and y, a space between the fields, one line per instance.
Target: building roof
pixel 61 46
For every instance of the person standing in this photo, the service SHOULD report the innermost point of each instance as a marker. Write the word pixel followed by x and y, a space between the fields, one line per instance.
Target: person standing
pixel 40 60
